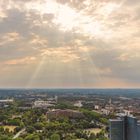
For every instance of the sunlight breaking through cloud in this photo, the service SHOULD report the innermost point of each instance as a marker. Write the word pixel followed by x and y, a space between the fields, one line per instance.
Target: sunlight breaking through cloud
pixel 61 43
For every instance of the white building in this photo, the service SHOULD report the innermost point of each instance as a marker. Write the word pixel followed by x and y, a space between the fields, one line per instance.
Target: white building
pixel 78 104
pixel 105 111
pixel 42 104
pixel 96 107
pixel 7 101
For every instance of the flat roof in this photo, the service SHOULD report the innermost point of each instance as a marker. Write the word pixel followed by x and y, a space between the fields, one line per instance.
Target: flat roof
pixel 115 120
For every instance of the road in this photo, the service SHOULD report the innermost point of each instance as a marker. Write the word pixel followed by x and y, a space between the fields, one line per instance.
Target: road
pixel 19 133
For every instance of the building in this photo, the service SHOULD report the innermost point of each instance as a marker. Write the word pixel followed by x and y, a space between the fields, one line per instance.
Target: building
pixel 116 129
pixel 96 107
pixel 6 102
pixel 130 128
pixel 56 98
pixel 127 112
pixel 78 104
pixel 105 111
pixel 42 104
pixel 138 130
pixel 68 113
pixel 124 128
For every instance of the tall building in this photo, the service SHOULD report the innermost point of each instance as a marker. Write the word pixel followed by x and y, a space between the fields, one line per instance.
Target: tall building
pixel 131 128
pixel 124 128
pixel 116 129
pixel 138 130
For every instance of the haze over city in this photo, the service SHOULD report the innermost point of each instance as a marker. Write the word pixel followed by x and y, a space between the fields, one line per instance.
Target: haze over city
pixel 70 43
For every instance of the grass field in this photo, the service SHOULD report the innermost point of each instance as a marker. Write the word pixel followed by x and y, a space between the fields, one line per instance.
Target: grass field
pixel 11 128
pixel 94 130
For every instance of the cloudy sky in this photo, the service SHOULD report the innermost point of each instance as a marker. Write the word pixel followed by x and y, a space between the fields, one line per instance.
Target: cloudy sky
pixel 70 43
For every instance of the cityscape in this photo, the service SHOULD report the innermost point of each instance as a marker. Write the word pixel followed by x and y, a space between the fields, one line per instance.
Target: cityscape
pixel 69 69
pixel 69 114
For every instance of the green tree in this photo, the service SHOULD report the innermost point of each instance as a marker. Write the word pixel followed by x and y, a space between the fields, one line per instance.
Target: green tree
pixel 30 129
pixel 38 126
pixel 5 137
pixel 55 137
pixel 32 137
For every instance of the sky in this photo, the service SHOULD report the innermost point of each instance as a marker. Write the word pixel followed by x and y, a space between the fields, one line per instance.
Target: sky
pixel 69 43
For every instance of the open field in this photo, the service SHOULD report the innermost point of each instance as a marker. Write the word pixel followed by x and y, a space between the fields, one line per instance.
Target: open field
pixel 94 130
pixel 11 128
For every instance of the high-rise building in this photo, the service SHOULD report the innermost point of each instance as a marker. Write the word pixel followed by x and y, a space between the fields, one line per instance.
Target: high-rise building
pixel 131 128
pixel 138 130
pixel 116 129
pixel 124 128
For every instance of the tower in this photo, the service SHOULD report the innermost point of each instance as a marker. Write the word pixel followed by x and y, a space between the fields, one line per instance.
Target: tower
pixel 124 128
pixel 116 129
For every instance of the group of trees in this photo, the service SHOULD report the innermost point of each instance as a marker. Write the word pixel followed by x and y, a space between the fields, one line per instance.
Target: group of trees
pixel 38 128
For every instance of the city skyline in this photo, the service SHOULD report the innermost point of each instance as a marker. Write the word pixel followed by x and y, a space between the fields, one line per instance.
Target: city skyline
pixel 69 44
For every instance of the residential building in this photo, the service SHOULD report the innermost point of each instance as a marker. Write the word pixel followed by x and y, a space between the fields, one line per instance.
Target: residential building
pixel 42 104
pixel 67 113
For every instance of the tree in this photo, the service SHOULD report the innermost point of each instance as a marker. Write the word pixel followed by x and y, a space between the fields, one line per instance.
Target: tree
pixel 32 137
pixel 14 122
pixel 92 136
pixel 55 137
pixel 1 129
pixel 38 126
pixel 18 139
pixel 4 137
pixel 30 129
